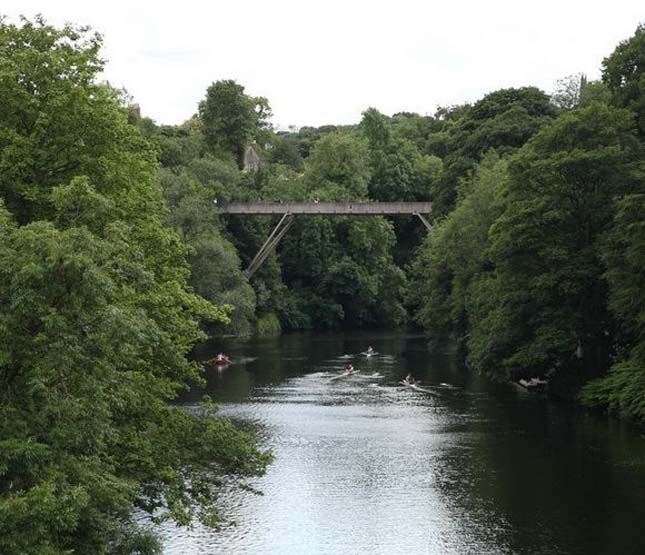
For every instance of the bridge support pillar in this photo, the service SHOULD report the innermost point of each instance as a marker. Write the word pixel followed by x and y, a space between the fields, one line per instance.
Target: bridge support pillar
pixel 270 244
pixel 425 222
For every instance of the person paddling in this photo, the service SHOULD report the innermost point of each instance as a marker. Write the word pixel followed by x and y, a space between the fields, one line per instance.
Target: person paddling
pixel 409 379
pixel 221 357
pixel 349 368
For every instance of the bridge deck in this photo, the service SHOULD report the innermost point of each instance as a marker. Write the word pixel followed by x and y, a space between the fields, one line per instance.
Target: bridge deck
pixel 327 208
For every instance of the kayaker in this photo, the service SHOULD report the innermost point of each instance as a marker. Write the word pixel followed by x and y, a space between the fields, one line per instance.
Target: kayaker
pixel 370 350
pixel 409 379
pixel 349 368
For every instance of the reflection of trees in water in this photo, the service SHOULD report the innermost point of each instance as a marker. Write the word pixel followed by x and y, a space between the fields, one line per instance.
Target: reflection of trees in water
pixel 527 476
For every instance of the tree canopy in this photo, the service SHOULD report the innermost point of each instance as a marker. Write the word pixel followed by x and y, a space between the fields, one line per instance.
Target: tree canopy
pixel 624 75
pixel 96 318
pixel 543 287
pixel 231 119
pixel 115 261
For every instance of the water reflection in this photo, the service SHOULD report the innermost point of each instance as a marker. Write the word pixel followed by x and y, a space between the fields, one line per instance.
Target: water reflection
pixel 363 465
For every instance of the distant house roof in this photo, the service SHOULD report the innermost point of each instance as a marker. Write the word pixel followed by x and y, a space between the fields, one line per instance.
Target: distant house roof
pixel 252 160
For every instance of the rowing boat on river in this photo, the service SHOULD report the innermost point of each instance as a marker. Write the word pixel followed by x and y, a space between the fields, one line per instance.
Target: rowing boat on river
pixel 419 388
pixel 373 376
pixel 218 362
pixel 344 375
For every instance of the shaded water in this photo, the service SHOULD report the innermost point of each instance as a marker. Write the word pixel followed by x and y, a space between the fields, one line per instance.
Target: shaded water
pixel 363 465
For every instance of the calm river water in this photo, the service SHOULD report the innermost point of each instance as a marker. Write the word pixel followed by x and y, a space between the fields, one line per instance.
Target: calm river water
pixel 363 465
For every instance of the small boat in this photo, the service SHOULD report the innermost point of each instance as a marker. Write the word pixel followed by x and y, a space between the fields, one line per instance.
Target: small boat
pixel 219 361
pixel 534 384
pixel 343 375
pixel 417 387
pixel 373 376
pixel 369 353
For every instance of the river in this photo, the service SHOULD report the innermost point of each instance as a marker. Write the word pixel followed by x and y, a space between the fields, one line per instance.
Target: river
pixel 363 465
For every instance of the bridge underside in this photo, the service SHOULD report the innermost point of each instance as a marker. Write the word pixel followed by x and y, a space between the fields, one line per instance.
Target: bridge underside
pixel 289 210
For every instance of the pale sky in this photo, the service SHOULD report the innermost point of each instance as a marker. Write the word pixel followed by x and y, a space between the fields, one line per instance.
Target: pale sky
pixel 325 62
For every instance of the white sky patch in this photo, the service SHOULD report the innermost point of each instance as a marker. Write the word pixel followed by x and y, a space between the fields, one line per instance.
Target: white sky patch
pixel 325 62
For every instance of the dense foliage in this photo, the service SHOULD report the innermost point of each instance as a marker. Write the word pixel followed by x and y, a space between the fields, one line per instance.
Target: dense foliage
pixel 230 118
pixel 96 318
pixel 115 261
pixel 329 272
pixel 532 229
pixel 538 270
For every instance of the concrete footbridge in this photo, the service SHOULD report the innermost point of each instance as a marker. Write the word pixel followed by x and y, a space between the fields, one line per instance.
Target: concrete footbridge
pixel 289 210
pixel 328 208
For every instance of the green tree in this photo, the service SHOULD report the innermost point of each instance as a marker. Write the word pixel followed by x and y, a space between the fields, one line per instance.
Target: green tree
pixel 399 172
pixel 56 123
pixel 594 91
pixel 340 271
pixel 455 254
pixel 285 151
pixel 503 120
pixel 92 347
pixel 177 145
pixel 623 389
pixel 215 265
pixel 543 306
pixel 568 91
pixel 575 91
pixel 338 168
pixel 231 118
pixel 624 74
pixel 414 128
pixel 96 318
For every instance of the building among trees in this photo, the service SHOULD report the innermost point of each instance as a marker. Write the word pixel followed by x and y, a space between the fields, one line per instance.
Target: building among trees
pixel 252 160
